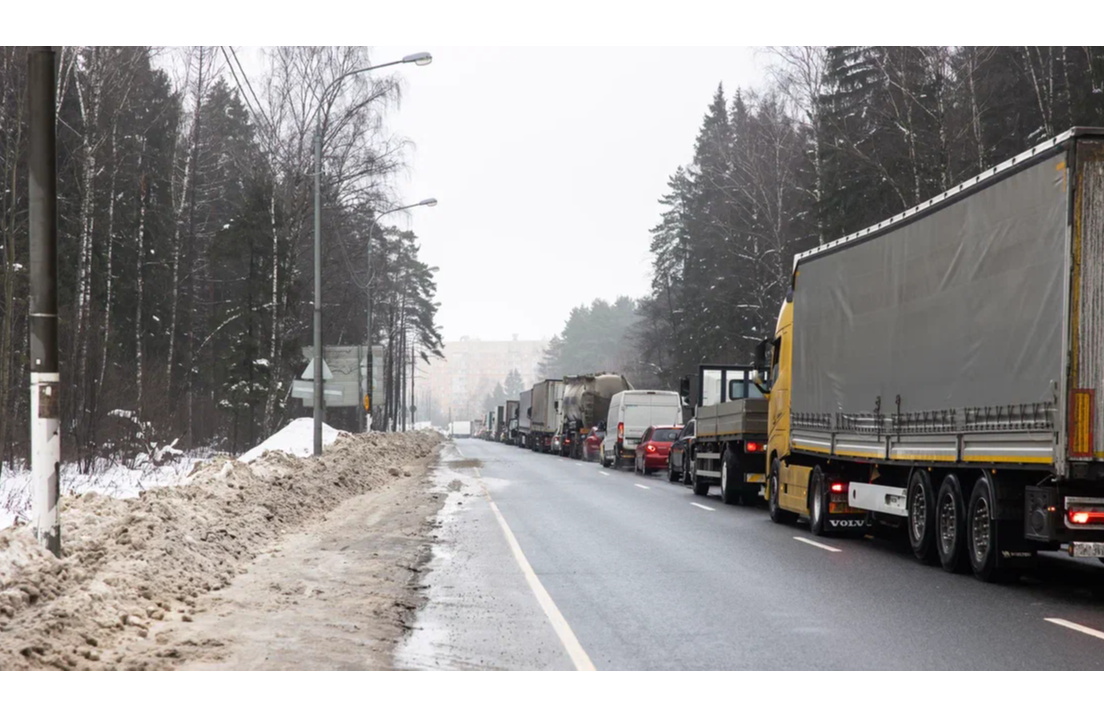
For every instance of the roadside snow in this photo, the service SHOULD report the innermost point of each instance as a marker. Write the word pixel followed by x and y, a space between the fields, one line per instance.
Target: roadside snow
pixel 297 438
pixel 136 572
pixel 107 478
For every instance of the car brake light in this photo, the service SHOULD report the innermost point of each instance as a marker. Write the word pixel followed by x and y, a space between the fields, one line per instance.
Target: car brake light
pixel 1086 517
pixel 754 446
pixel 838 487
pixel 620 430
pixel 651 448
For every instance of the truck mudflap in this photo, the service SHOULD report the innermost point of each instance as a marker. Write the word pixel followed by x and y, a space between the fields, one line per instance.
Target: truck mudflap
pixel 847 521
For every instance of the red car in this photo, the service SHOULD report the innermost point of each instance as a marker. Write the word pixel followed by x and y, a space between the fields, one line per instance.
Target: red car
pixel 654 446
pixel 592 445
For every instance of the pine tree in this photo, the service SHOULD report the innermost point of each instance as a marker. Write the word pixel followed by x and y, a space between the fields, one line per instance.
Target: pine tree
pixel 513 384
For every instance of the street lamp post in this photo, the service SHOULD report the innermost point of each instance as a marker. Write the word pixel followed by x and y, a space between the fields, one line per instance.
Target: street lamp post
pixel 368 288
pixel 417 59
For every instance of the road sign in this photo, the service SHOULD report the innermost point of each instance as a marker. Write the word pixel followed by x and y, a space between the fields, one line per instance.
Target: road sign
pixel 304 389
pixel 308 373
pixel 343 369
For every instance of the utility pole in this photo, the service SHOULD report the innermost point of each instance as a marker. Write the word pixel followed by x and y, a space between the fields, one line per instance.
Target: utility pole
pixel 318 292
pixel 45 380
pixel 417 59
pixel 413 404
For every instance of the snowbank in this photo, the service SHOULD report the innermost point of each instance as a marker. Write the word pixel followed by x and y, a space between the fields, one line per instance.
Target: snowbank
pixel 106 477
pixel 297 439
pixel 128 565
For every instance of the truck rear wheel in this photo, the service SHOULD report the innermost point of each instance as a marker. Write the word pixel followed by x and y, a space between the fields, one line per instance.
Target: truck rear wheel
pixel 921 517
pixel 818 505
pixel 730 476
pixel 777 514
pixel 983 543
pixel 950 524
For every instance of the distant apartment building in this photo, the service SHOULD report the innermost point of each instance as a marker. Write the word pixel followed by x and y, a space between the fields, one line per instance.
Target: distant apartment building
pixel 469 372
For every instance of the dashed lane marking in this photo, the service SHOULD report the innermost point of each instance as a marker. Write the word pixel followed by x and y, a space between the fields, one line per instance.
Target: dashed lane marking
pixel 702 507
pixel 1075 626
pixel 814 543
pixel 643 487
pixel 605 473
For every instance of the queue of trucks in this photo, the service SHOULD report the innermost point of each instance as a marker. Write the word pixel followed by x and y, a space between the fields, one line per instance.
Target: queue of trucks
pixel 936 373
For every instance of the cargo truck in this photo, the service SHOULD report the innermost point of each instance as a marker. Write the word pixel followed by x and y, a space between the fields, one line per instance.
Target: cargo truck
pixel 586 402
pixel 940 369
pixel 545 415
pixel 730 436
pixel 460 430
pixel 510 424
pixel 525 407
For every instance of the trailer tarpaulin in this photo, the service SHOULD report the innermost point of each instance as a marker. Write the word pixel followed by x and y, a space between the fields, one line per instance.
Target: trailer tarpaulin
pixel 958 308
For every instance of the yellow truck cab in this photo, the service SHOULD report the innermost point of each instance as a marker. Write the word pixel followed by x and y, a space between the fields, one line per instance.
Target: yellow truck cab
pixel 794 488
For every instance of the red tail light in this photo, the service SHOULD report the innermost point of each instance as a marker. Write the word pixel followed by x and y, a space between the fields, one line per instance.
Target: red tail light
pixel 1086 517
pixel 838 487
pixel 651 448
pixel 754 447
pixel 620 430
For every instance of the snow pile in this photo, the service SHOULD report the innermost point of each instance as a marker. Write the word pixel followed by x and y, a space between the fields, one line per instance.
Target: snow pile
pixel 297 439
pixel 106 477
pixel 128 564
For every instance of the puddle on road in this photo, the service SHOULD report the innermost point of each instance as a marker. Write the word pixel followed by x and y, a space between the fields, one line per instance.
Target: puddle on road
pixel 464 463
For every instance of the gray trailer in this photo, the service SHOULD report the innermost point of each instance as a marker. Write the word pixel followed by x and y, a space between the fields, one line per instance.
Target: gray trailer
pixel 545 416
pixel 943 367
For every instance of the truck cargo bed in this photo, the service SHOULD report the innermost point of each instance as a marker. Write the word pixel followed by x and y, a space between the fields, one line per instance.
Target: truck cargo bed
pixel 738 418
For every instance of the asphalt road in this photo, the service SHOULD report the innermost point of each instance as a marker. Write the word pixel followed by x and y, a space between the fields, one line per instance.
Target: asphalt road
pixel 648 576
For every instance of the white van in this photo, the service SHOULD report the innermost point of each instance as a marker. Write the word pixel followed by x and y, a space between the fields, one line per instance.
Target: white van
pixel 630 414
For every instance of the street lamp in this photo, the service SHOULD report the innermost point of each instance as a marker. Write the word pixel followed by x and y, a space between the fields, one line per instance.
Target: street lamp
pixel 368 286
pixel 417 59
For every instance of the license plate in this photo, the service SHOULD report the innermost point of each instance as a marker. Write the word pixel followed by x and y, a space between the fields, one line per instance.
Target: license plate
pixel 756 477
pixel 1086 549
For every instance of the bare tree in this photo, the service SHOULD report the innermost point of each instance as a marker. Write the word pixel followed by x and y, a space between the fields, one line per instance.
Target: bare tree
pixel 798 75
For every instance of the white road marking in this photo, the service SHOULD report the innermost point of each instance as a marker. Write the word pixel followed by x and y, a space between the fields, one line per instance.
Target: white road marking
pixel 578 464
pixel 643 487
pixel 605 473
pixel 563 631
pixel 559 623
pixel 1075 626
pixel 709 509
pixel 814 543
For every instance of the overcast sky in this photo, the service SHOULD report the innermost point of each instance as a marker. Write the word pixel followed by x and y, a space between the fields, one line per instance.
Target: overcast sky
pixel 548 164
